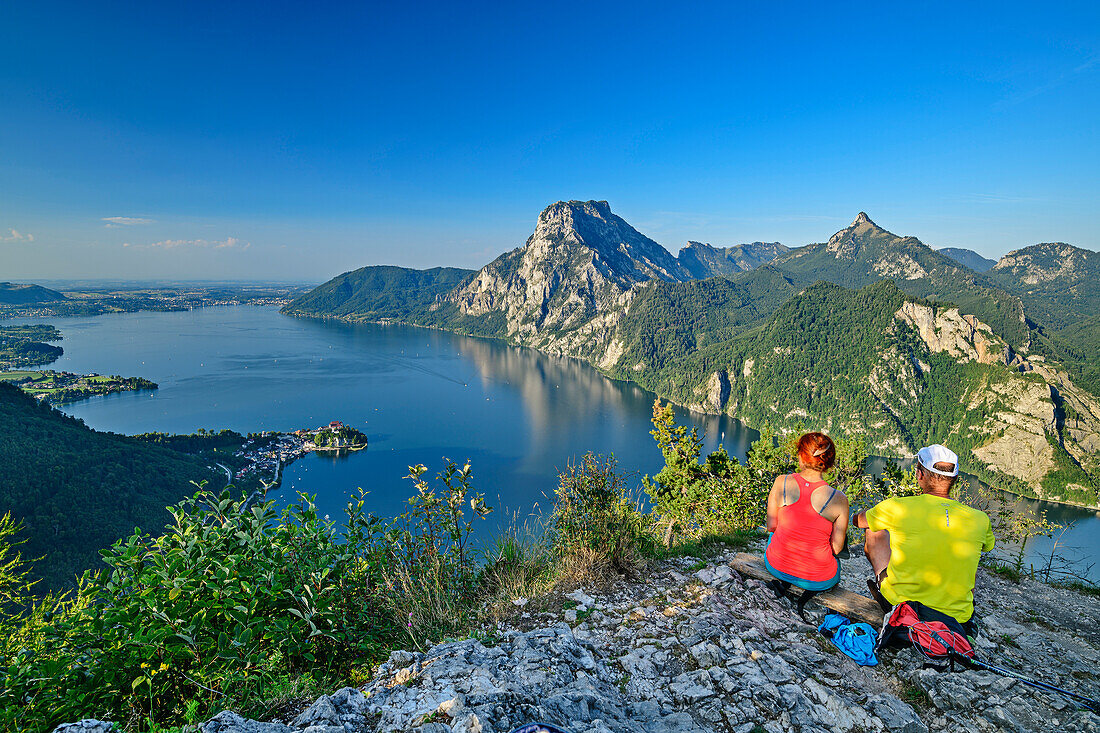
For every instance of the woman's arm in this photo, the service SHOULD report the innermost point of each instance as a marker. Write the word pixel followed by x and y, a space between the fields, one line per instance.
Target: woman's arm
pixel 840 524
pixel 774 502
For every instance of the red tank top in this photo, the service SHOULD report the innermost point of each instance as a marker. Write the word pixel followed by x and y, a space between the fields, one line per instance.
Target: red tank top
pixel 800 544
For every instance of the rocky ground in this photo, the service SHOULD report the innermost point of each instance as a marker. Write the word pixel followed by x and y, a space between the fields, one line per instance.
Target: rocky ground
pixel 693 646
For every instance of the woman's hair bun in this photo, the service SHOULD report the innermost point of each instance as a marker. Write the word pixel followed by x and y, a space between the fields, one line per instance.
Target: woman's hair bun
pixel 816 451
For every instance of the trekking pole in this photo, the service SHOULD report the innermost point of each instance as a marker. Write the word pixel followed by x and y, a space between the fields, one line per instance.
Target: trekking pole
pixel 1086 702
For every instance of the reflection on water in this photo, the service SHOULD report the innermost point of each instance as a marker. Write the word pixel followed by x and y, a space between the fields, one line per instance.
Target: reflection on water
pixel 1074 549
pixel 420 395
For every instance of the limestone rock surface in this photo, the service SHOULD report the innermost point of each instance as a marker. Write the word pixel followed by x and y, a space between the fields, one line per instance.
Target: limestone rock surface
pixel 686 652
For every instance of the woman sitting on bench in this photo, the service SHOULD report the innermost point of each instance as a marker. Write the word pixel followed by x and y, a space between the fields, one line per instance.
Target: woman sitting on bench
pixel 808 520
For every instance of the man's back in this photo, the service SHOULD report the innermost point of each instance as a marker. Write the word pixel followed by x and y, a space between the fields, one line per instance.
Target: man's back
pixel 935 545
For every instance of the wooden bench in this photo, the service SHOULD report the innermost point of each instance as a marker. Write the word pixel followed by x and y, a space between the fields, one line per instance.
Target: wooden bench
pixel 838 599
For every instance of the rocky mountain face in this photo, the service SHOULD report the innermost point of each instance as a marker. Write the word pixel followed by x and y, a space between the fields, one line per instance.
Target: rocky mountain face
pixel 969 258
pixel 1049 262
pixel 689 649
pixel 864 252
pixel 565 290
pixel 1058 283
pixel 703 260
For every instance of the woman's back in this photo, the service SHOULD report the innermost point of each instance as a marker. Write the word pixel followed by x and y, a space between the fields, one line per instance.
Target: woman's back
pixel 801 543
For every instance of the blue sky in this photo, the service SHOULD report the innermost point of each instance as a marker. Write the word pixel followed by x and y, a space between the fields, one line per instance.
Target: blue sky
pixel 296 141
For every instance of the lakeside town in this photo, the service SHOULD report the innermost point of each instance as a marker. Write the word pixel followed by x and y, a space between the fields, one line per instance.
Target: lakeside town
pixel 270 453
pixel 93 300
pixel 60 388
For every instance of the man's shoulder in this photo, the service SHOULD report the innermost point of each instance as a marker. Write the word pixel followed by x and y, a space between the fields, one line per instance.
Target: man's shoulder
pixel 976 515
pixel 892 501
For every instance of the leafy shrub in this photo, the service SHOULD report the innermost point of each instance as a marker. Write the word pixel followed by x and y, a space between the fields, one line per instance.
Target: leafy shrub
pixel 719 496
pixel 234 605
pixel 220 606
pixel 431 573
pixel 15 582
pixel 595 519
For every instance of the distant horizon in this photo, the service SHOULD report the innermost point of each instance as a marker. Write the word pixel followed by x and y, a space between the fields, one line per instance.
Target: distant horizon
pixel 268 142
pixel 168 281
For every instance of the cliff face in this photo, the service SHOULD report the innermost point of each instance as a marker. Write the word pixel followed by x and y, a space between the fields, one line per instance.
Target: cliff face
pixel 961 336
pixel 1048 262
pixel 565 290
pixel 703 260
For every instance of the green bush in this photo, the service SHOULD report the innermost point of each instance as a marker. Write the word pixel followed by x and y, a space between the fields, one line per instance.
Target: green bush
pixel 223 604
pixel 716 497
pixel 234 605
pixel 595 519
pixel 431 572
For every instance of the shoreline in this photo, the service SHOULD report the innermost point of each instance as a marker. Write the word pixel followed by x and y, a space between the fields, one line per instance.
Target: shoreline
pixel 693 408
pixel 281 450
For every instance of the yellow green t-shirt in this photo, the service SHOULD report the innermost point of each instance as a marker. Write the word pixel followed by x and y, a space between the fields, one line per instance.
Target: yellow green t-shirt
pixel 935 545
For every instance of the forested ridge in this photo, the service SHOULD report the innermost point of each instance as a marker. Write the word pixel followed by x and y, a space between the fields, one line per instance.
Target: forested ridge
pixel 380 292
pixel 865 253
pixel 77 490
pixel 22 294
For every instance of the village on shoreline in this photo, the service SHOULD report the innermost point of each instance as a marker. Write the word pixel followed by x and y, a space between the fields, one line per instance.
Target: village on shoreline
pixel 270 452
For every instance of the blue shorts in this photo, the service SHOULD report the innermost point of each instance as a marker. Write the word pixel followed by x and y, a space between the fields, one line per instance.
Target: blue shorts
pixel 814 585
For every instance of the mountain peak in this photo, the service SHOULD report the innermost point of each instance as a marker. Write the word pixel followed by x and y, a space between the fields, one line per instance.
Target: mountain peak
pixel 862 218
pixel 561 209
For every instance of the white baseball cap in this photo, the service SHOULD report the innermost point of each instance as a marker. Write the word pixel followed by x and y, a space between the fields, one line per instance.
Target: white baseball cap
pixel 930 455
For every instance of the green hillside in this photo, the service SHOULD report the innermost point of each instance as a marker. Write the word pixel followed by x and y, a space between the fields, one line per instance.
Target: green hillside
pixel 381 292
pixel 674 334
pixel 78 490
pixel 23 294
pixel 968 258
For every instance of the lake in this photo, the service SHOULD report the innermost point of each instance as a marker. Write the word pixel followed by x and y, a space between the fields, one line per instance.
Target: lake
pixel 421 396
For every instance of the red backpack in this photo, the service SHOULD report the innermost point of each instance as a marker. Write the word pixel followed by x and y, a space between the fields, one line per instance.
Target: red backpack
pixel 935 639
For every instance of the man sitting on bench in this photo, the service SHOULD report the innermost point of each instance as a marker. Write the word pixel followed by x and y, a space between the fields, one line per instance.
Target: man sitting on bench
pixel 925 548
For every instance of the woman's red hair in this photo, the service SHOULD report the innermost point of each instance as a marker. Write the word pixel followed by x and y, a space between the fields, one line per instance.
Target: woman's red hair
pixel 816 451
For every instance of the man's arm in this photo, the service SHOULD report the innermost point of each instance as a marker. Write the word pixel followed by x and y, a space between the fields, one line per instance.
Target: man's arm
pixel 859 519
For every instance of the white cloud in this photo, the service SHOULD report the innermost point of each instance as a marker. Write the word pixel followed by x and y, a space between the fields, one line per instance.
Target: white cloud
pixel 227 243
pixel 15 236
pixel 124 221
